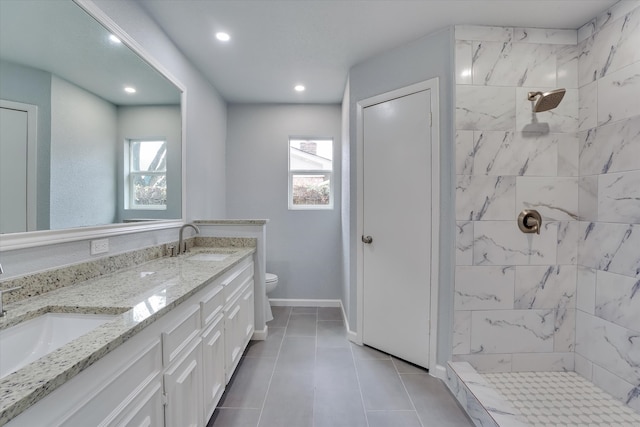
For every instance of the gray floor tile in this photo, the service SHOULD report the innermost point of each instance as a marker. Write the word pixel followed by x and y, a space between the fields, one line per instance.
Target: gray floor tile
pixel 307 374
pixel 290 400
pixel 407 368
pixel 249 384
pixel 338 402
pixel 332 333
pixel 335 370
pixel 393 418
pixel 280 317
pixel 381 386
pixel 330 313
pixel 267 348
pixel 302 325
pixel 304 310
pixel 364 352
pixel 297 354
pixel 433 402
pixel 231 417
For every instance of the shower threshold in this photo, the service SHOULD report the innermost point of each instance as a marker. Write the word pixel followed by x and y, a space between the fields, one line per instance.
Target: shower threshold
pixel 514 399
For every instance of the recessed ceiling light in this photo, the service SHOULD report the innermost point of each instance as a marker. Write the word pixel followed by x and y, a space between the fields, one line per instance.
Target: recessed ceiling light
pixel 223 37
pixel 114 39
pixel 299 88
pixel 130 89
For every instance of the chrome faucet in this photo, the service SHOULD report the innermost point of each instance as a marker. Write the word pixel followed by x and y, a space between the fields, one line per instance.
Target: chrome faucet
pixel 182 246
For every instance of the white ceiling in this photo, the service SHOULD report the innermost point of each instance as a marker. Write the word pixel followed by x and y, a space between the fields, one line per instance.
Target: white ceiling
pixel 60 38
pixel 279 43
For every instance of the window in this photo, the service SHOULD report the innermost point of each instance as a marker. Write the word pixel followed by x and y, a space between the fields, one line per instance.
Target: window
pixel 147 180
pixel 310 173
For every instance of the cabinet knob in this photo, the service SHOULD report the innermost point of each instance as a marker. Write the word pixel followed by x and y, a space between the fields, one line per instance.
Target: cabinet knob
pixel 367 239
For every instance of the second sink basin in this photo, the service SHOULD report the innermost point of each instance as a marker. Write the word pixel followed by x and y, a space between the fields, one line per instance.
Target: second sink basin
pixel 208 257
pixel 32 339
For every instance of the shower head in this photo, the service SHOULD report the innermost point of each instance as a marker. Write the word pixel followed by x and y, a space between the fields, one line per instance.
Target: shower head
pixel 547 100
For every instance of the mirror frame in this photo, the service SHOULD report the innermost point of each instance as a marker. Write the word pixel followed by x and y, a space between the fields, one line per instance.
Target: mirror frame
pixel 13 241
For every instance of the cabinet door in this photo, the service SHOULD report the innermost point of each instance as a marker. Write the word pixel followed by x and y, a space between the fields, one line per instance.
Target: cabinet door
pixel 213 365
pixel 232 337
pixel 146 411
pixel 183 387
pixel 247 314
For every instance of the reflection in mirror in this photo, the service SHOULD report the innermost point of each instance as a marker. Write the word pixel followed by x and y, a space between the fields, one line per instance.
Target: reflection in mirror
pixel 76 104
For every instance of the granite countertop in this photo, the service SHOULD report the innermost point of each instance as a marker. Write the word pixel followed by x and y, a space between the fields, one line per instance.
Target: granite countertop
pixel 137 296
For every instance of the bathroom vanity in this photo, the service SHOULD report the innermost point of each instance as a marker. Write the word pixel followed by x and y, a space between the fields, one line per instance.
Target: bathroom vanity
pixel 179 328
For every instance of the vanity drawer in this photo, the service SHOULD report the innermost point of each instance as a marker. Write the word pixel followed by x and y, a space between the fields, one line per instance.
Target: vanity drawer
pixel 211 305
pixel 235 281
pixel 176 339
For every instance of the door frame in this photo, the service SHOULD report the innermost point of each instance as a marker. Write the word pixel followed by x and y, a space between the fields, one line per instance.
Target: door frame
pixel 433 86
pixel 32 159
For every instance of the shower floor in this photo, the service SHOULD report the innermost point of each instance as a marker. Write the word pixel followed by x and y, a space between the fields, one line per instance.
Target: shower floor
pixel 560 398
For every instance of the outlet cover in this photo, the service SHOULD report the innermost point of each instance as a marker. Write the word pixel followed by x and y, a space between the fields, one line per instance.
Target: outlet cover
pixel 99 246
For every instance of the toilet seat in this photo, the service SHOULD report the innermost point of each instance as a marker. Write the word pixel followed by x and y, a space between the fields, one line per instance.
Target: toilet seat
pixel 269 278
pixel 270 281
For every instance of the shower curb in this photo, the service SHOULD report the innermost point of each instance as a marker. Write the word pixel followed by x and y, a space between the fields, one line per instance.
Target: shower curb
pixel 484 405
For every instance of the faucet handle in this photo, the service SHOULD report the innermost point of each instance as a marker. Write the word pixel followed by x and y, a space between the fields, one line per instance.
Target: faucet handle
pixel 530 221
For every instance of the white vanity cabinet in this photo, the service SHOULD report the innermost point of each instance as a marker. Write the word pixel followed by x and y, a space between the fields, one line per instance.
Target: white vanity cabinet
pixel 248 324
pixel 182 360
pixel 211 310
pixel 147 410
pixel 172 373
pixel 122 387
pixel 236 315
pixel 183 389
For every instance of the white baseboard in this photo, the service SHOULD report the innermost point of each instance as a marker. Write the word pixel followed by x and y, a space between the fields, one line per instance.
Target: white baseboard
pixel 260 335
pixel 353 337
pixel 439 372
pixel 286 302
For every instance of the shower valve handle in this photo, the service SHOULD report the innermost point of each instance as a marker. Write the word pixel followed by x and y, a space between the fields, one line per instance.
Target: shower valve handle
pixel 530 221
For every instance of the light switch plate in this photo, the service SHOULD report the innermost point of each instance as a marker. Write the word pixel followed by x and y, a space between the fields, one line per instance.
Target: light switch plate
pixel 99 246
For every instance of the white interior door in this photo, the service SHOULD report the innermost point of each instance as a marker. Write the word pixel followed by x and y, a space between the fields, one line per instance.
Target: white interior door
pixel 397 217
pixel 13 170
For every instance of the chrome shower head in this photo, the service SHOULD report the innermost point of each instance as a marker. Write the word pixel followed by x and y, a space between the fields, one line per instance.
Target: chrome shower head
pixel 547 100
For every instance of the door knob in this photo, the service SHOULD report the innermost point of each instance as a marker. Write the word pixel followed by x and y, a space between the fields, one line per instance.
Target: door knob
pixel 367 239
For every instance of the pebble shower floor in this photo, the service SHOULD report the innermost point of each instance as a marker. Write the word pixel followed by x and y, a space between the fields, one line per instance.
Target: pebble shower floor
pixel 561 399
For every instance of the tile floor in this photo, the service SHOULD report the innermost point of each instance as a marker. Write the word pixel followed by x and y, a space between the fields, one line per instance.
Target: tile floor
pixel 307 374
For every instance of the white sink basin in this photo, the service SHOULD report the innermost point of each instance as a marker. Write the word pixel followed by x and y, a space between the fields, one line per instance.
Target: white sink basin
pixel 32 339
pixel 208 257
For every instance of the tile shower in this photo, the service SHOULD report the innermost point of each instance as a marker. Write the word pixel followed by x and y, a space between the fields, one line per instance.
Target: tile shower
pixel 569 298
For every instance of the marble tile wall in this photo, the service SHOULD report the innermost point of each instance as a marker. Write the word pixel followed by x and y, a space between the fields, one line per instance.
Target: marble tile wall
pixel 607 349
pixel 569 298
pixel 515 293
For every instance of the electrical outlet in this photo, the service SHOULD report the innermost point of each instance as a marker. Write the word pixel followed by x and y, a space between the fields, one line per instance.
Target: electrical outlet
pixel 99 246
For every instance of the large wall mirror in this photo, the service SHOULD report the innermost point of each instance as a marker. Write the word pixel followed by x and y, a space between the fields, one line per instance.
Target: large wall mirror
pixel 91 134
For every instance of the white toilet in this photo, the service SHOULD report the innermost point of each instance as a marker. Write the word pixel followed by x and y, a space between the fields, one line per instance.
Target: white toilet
pixel 271 281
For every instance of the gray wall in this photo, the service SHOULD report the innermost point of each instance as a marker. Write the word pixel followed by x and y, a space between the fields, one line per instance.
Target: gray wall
pixel 428 57
pixel 145 122
pixel 303 246
pixel 83 155
pixel 32 86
